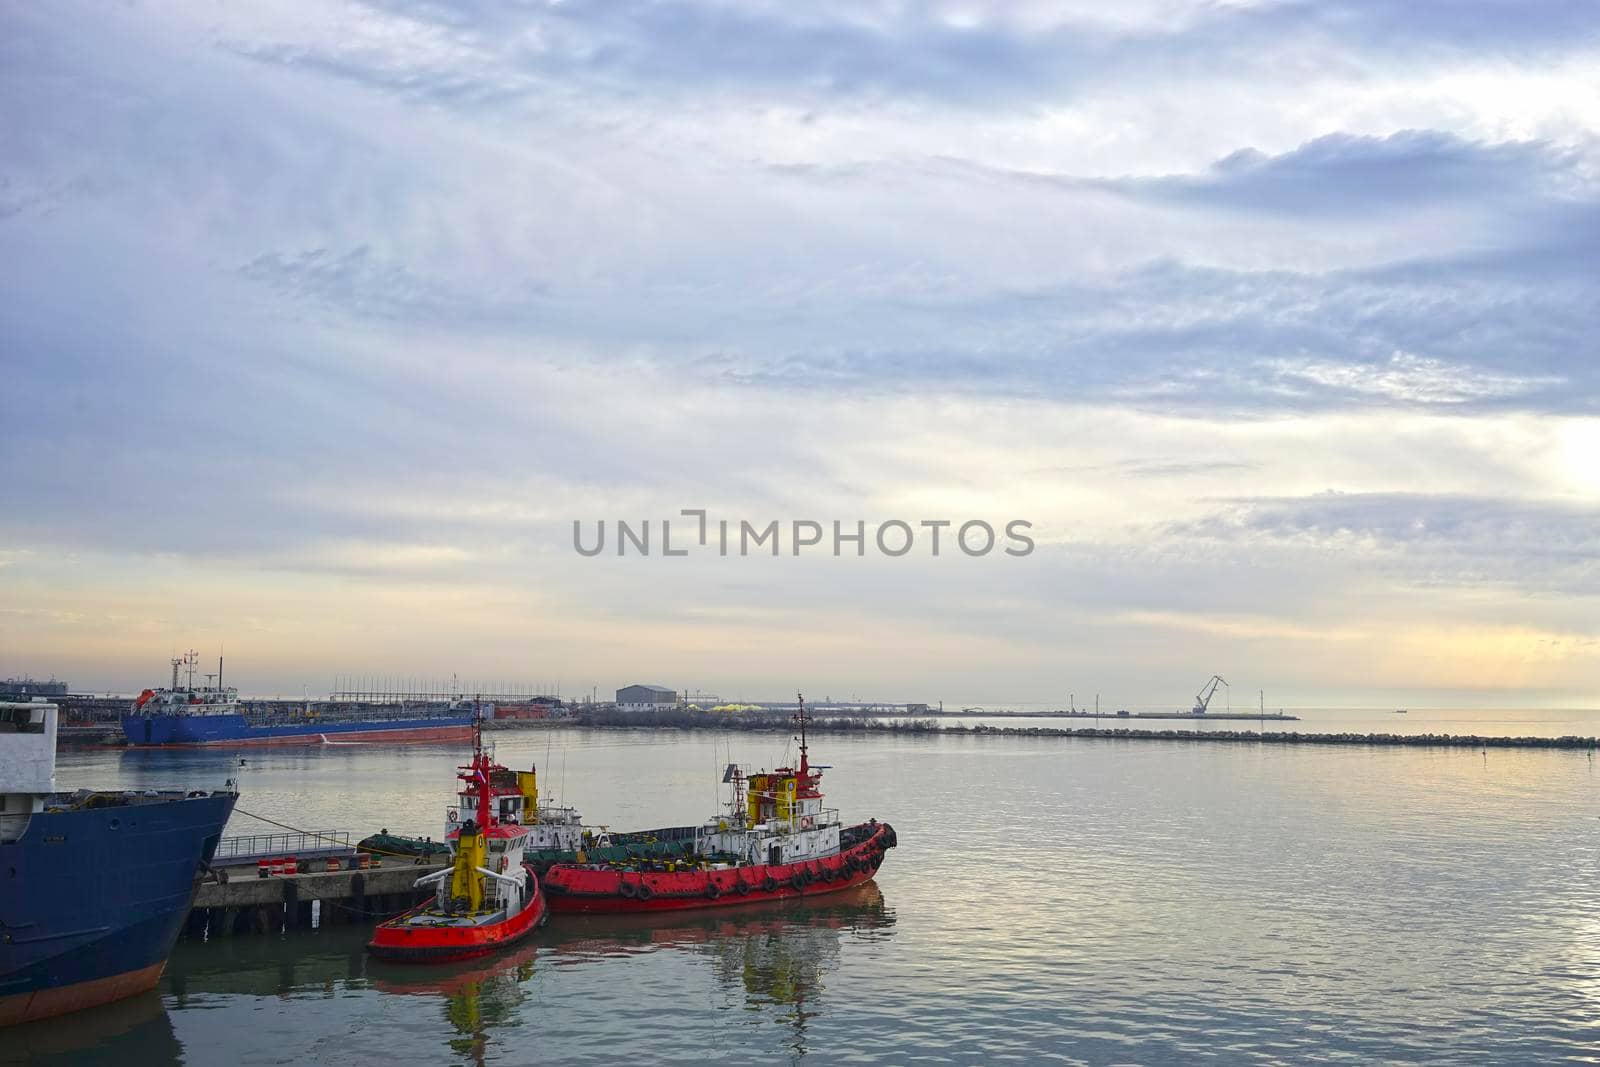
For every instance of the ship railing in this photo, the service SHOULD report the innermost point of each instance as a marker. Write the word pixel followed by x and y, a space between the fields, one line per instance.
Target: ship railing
pixel 816 821
pixel 279 716
pixel 795 824
pixel 247 848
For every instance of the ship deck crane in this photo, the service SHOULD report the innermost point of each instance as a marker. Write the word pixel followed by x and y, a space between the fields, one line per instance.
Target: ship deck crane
pixel 1202 699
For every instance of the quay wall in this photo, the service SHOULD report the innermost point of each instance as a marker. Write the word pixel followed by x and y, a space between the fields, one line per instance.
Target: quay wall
pixel 248 904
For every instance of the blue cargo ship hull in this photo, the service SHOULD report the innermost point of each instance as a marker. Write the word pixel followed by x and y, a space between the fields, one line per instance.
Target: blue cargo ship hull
pixel 234 729
pixel 93 897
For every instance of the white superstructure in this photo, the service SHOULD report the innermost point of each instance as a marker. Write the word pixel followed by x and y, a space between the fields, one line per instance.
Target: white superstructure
pixel 27 763
pixel 189 699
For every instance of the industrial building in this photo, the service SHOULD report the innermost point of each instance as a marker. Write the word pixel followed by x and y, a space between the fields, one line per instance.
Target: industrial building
pixel 645 698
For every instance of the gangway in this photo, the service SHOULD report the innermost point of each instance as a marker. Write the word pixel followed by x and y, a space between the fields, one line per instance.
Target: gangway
pixel 248 849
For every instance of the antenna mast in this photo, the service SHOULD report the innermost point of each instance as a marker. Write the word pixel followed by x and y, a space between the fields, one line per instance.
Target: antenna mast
pixel 800 717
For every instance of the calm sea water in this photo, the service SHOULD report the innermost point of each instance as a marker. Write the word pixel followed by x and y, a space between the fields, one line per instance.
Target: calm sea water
pixel 1051 900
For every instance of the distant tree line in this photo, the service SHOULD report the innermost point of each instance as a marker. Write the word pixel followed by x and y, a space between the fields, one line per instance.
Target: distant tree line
pixel 682 718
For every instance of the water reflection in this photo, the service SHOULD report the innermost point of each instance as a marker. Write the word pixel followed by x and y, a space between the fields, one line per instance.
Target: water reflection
pixel 774 955
pixel 478 995
pixel 135 1030
pixel 304 963
pixel 474 997
pixel 774 959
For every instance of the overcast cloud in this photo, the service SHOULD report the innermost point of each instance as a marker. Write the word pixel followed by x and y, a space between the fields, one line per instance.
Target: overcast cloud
pixel 321 323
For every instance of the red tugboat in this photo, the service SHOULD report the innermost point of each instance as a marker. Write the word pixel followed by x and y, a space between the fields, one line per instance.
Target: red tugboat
pixel 776 840
pixel 488 898
pixel 514 800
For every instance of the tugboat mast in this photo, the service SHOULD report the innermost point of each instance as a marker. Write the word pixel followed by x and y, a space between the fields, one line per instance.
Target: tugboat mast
pixel 800 717
pixel 480 770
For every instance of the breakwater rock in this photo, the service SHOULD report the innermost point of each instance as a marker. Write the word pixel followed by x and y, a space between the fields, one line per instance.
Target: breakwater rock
pixel 1288 737
pixel 699 720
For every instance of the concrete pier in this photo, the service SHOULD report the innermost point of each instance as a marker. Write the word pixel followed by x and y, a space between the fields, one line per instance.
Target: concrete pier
pixel 243 905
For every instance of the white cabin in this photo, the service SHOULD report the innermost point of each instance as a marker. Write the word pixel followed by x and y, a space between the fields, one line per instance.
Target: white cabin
pixel 779 818
pixel 27 763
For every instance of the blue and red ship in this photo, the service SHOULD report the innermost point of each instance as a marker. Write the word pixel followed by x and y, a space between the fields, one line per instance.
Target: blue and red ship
pixel 212 715
pixel 94 885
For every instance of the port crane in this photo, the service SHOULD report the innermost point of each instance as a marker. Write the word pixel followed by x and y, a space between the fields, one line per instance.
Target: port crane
pixel 1202 699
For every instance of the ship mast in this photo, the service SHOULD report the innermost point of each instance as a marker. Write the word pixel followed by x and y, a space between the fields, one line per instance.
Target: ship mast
pixel 480 763
pixel 481 767
pixel 800 717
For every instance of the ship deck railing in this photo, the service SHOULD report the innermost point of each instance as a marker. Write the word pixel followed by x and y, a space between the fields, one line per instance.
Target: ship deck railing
pixel 332 717
pixel 249 848
pixel 795 823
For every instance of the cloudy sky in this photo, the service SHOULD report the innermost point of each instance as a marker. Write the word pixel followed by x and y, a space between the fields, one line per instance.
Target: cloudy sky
pixel 321 323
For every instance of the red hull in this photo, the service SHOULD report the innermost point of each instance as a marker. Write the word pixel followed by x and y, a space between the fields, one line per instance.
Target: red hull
pixel 43 1003
pixel 447 944
pixel 576 889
